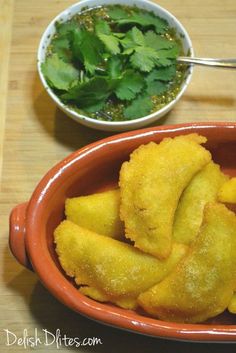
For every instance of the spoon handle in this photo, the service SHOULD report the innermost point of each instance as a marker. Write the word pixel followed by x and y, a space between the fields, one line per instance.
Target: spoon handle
pixel 224 63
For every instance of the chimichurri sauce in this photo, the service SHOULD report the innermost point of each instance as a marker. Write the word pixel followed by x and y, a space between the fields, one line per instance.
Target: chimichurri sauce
pixel 114 108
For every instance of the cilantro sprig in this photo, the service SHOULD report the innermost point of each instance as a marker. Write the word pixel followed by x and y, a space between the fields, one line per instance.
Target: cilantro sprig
pixel 138 17
pixel 58 73
pixel 126 57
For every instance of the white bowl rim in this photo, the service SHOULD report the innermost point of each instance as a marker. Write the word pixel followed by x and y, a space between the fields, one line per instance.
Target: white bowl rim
pixel 103 123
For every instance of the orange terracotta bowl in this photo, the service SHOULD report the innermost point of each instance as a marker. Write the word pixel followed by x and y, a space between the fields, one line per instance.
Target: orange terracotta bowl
pixel 94 168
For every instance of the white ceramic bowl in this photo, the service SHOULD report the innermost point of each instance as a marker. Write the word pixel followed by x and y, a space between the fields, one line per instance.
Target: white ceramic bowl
pixel 108 125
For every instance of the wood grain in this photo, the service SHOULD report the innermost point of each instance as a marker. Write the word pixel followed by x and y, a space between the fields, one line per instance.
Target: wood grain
pixel 36 135
pixel 5 42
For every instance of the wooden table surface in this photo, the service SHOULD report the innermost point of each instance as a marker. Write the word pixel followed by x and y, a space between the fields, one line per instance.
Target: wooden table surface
pixel 34 135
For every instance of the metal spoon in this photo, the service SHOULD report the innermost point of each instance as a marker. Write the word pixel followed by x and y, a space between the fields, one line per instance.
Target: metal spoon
pixel 224 63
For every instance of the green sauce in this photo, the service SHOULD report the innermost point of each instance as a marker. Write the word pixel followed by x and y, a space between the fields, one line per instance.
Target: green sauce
pixel 113 108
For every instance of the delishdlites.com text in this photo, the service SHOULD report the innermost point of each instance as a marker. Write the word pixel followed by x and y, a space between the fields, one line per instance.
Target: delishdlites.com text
pixel 47 338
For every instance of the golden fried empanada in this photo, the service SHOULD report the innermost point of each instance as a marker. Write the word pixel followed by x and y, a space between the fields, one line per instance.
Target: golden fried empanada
pixel 151 184
pixel 203 188
pixel 97 212
pixel 232 304
pixel 202 284
pixel 113 269
pixel 227 192
pixel 96 294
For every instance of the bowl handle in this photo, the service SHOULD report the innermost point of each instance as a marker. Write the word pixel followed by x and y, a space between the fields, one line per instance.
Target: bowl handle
pixel 17 234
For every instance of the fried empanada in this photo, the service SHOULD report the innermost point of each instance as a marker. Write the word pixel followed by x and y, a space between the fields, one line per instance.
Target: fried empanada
pixel 227 192
pixel 115 271
pixel 98 212
pixel 202 284
pixel 232 304
pixel 202 189
pixel 151 184
pixel 96 294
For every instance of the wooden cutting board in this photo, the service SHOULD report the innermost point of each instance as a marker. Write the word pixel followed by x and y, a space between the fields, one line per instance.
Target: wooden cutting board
pixel 34 135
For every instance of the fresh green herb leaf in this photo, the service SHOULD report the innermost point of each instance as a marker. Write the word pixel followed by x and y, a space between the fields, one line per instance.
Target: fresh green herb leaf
pixel 144 55
pixel 137 36
pixel 119 35
pixel 157 42
pixel 163 62
pixel 111 43
pixel 144 20
pixel 139 107
pixel 103 32
pixel 61 46
pixel 167 57
pixel 144 58
pixel 158 80
pixel 129 85
pixel 76 39
pixel 162 73
pixel 89 94
pixel 93 108
pixel 115 67
pixel 59 74
pixel 87 48
pixel 127 42
pixel 117 13
pixel 102 27
pixel 65 27
pixel 171 53
pixel 132 38
pixel 155 88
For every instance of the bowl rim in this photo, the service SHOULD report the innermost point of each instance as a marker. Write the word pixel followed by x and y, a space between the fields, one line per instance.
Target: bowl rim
pixel 102 123
pixel 63 290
